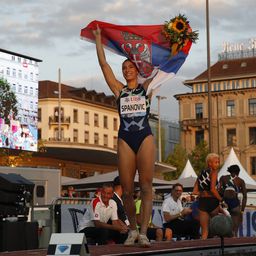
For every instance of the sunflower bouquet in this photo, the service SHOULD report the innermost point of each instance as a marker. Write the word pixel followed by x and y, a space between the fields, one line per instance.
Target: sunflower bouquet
pixel 178 32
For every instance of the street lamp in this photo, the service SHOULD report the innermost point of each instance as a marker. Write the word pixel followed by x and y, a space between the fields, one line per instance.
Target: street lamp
pixel 209 77
pixel 159 98
pixel 59 106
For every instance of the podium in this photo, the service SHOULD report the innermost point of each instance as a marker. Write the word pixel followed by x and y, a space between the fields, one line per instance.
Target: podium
pixel 19 235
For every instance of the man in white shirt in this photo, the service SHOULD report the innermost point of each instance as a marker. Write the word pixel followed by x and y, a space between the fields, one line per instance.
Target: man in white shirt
pixel 175 216
pixel 95 220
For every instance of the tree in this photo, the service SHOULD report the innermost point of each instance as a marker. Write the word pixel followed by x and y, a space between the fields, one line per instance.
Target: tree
pixel 198 156
pixel 178 159
pixel 8 101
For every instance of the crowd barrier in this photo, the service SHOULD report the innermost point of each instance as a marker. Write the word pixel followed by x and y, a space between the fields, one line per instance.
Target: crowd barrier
pixel 64 215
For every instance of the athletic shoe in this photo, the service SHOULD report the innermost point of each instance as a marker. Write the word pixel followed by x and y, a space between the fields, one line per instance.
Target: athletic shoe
pixel 143 241
pixel 132 237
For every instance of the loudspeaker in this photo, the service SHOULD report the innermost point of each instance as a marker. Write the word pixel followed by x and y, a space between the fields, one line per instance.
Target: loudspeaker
pixel 15 236
pixel 16 193
pixel 15 183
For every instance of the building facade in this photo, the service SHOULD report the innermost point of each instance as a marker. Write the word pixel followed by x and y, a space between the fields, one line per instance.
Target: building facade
pixel 233 109
pixel 85 133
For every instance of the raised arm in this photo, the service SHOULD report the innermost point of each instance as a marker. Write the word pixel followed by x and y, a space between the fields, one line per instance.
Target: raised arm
pixel 114 85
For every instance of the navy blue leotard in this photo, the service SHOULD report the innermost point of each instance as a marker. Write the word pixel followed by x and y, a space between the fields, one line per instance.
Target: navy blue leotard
pixel 133 107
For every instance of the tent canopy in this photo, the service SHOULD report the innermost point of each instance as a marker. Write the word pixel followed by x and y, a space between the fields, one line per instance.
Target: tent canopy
pixel 97 181
pixel 188 171
pixel 231 160
pixel 187 183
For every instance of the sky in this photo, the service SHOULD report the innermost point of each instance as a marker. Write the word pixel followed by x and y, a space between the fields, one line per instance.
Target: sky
pixel 50 31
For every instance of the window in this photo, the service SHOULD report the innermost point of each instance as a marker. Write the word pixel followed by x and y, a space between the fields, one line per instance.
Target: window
pixel 115 124
pixel 252 135
pixel 233 84
pixel 25 89
pixel 199 136
pixel 19 74
pixel 230 108
pixel 231 137
pixel 105 122
pixel 253 82
pixel 39 134
pixel 86 137
pixel 75 135
pixel 20 88
pixel 75 115
pixel 56 133
pixel 252 107
pixel 86 117
pixel 105 140
pixel 96 138
pixel 253 165
pixel 8 71
pixel 31 90
pixel 115 142
pixel 14 72
pixel 14 87
pixel 199 110
pixel 39 114
pixel 96 120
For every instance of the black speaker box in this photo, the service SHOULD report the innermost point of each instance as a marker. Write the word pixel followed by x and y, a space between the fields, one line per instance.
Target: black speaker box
pixel 15 183
pixel 13 210
pixel 11 198
pixel 15 236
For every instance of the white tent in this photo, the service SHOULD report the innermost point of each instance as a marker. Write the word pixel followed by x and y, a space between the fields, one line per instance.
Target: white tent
pixel 188 171
pixel 231 160
pixel 97 180
pixel 65 179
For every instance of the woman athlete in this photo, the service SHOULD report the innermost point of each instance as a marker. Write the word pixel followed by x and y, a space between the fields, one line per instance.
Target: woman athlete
pixel 136 148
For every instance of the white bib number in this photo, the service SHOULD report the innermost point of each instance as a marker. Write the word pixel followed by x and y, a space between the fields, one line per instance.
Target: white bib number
pixel 133 106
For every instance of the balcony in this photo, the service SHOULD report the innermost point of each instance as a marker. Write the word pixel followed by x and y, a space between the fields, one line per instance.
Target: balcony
pixel 196 123
pixel 54 120
pixel 55 139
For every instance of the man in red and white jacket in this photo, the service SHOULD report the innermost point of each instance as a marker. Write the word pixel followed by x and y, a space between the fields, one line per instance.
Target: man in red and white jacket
pixel 94 223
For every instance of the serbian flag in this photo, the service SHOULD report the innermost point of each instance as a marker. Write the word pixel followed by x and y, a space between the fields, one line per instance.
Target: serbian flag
pixel 144 45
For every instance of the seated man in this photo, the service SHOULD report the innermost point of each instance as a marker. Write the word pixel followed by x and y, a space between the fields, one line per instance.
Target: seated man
pixel 94 222
pixel 122 217
pixel 174 215
pixel 153 232
pixel 117 197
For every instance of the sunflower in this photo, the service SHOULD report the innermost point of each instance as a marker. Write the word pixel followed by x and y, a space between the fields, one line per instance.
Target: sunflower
pixel 179 25
pixel 178 32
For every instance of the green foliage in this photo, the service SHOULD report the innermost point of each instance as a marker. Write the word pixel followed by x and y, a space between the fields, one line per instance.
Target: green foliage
pixel 8 101
pixel 177 159
pixel 198 156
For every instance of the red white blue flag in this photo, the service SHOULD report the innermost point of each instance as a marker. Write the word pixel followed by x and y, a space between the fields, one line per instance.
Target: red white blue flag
pixel 145 45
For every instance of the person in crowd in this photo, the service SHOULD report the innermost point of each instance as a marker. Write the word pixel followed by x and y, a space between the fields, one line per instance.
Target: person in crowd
pixel 117 197
pixel 229 187
pixel 94 223
pixel 71 192
pixel 153 232
pixel 174 215
pixel 206 188
pixel 136 147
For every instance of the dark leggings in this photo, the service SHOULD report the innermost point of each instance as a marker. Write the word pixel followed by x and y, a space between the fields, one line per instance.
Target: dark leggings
pixel 103 235
pixel 184 227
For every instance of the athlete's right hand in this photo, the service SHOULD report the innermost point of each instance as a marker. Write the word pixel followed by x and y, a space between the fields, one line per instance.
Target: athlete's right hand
pixel 97 31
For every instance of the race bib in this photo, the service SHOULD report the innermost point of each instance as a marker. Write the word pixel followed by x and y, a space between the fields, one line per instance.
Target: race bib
pixel 133 106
